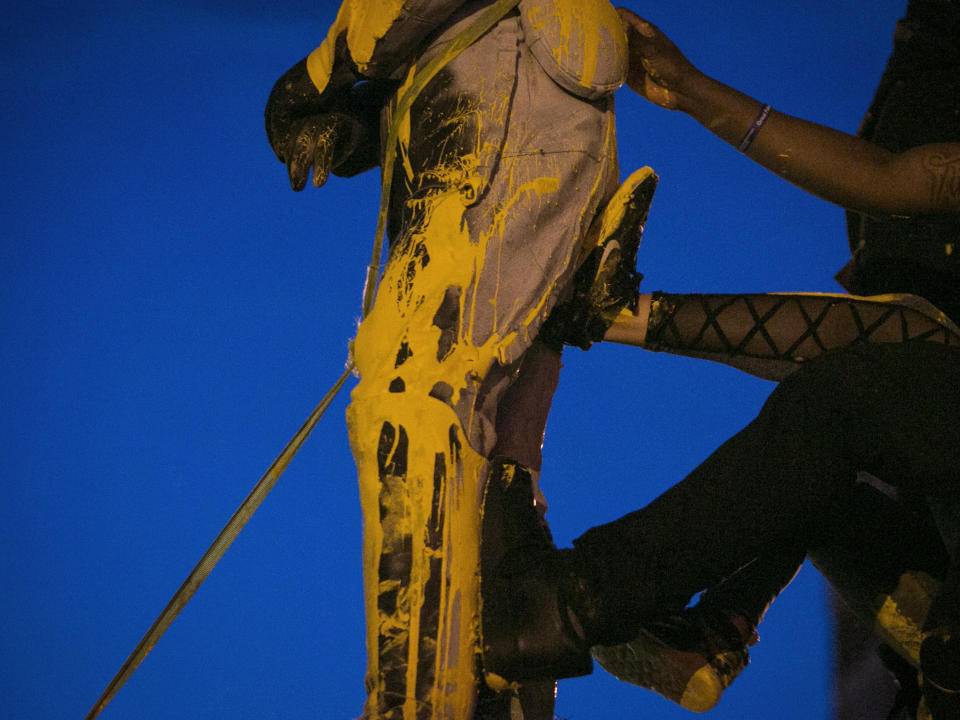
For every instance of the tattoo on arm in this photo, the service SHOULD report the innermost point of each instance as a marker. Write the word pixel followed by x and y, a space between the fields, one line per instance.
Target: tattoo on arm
pixel 944 171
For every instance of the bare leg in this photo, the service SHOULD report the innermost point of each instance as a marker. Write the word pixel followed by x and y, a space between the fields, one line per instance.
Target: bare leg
pixel 772 334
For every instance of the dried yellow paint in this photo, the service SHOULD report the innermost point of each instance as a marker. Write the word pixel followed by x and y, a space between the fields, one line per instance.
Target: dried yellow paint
pixel 900 615
pixel 403 313
pixel 363 24
pixel 586 40
pixel 409 296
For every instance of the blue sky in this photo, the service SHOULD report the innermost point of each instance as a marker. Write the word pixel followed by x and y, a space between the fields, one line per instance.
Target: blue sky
pixel 171 312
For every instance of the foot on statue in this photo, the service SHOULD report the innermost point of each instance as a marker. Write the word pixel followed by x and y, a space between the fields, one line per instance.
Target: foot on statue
pixel 543 618
pixel 607 281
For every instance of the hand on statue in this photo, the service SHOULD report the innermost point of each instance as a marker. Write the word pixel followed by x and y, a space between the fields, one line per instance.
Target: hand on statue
pixel 658 70
pixel 303 130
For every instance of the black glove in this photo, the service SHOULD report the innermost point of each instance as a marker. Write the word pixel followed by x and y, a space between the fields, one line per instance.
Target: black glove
pixel 307 129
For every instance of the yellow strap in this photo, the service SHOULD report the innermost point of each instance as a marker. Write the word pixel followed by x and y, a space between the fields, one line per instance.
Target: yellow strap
pixel 216 551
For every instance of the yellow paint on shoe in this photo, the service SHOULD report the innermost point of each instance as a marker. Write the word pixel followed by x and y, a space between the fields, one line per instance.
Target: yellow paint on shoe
pixel 703 691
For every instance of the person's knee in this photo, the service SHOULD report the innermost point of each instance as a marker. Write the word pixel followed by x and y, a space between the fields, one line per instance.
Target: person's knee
pixel 818 393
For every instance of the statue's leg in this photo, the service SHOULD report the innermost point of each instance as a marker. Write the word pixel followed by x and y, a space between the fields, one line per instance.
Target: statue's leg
pixel 423 421
pixel 517 456
pixel 420 477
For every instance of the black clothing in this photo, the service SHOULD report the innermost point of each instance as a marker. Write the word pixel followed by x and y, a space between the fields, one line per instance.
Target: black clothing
pixel 787 483
pixel 916 103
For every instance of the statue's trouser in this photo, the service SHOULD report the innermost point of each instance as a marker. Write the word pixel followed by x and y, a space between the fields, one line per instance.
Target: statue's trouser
pixel 481 253
pixel 787 485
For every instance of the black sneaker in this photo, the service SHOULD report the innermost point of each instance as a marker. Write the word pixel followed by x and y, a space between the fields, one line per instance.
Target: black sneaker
pixel 607 282
pixel 689 658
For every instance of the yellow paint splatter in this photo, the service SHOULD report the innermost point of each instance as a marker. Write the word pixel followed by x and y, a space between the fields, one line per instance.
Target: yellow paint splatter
pixel 580 43
pixel 900 615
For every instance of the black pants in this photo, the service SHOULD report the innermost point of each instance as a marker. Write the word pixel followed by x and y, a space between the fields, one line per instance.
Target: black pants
pixel 787 484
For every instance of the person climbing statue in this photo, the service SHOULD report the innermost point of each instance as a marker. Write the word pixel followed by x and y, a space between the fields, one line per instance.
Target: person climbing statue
pixel 874 396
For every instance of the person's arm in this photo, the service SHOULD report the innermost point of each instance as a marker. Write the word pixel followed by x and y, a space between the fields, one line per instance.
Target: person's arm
pixel 770 335
pixel 835 166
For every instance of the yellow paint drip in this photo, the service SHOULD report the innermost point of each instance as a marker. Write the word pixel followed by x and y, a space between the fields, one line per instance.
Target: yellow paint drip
pixel 364 24
pixel 369 23
pixel 454 686
pixel 420 381
pixel 409 296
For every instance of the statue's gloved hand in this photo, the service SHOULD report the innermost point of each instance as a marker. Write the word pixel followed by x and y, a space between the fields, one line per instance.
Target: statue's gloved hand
pixel 307 129
pixel 318 141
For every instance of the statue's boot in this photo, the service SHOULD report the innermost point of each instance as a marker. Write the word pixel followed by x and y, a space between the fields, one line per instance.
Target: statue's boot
pixel 542 614
pixel 526 632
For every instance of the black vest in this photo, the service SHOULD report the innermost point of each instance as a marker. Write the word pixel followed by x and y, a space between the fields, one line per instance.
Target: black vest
pixel 917 102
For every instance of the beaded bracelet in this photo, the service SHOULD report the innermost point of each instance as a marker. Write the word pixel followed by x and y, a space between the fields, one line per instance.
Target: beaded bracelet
pixel 754 128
